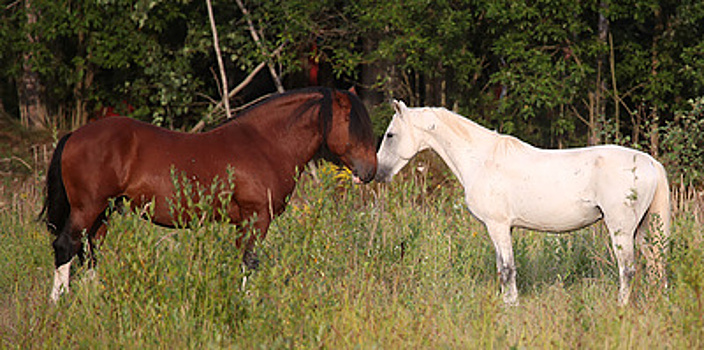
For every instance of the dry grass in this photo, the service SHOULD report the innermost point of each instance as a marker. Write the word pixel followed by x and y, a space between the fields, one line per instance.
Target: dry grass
pixel 383 266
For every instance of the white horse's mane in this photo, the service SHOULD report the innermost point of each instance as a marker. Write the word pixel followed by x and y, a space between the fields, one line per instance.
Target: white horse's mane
pixel 458 123
pixel 467 128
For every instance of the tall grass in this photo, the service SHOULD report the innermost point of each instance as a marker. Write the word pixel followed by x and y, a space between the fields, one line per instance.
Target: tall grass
pixel 401 265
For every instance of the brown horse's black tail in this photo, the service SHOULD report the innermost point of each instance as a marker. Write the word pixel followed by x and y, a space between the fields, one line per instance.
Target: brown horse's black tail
pixel 57 209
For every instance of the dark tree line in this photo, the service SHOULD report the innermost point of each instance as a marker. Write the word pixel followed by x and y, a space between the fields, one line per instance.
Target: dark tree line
pixel 557 73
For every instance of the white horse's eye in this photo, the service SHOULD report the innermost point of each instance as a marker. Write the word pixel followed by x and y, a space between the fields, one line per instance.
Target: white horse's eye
pixel 389 135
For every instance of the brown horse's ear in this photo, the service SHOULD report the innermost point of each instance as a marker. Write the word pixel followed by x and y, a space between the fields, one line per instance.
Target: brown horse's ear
pixel 353 90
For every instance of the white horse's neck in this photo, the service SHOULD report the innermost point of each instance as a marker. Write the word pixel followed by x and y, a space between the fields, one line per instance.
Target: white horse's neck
pixel 460 142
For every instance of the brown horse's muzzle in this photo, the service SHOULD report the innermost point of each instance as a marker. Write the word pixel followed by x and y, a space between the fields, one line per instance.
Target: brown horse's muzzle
pixel 364 172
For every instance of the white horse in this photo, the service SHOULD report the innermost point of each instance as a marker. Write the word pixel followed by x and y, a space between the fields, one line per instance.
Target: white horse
pixel 509 183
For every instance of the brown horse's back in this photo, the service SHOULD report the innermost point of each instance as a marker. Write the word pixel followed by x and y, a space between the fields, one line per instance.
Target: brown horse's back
pixel 123 157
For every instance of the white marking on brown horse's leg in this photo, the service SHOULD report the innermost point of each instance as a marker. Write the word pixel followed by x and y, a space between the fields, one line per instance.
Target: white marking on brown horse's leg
pixel 90 274
pixel 61 278
pixel 245 279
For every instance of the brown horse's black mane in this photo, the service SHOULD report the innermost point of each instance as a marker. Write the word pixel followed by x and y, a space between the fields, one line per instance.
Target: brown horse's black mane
pixel 360 125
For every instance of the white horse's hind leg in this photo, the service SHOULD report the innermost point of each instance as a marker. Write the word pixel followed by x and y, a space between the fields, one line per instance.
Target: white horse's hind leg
pixel 622 240
pixel 501 236
pixel 61 279
pixel 623 248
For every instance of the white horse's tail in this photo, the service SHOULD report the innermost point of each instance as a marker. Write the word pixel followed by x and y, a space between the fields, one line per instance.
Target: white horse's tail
pixel 654 231
pixel 661 205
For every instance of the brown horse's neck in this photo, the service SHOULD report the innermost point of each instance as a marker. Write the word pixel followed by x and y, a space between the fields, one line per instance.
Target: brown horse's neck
pixel 286 127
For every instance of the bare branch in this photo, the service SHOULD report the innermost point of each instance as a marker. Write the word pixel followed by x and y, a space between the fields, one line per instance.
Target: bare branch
pixel 225 94
pixel 257 40
pixel 9 6
pixel 236 90
pixel 256 70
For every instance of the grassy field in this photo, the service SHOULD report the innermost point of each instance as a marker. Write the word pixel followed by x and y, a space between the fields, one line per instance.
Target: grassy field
pixel 397 266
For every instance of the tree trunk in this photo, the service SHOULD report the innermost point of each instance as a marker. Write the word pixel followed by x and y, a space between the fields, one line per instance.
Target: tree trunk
pixel 601 86
pixel 616 98
pixel 33 112
pixel 593 137
pixel 654 133
pixel 85 69
pixel 371 74
pixel 655 62
pixel 443 89
pixel 80 113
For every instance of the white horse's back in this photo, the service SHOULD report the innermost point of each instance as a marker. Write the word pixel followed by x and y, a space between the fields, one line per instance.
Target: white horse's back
pixel 557 190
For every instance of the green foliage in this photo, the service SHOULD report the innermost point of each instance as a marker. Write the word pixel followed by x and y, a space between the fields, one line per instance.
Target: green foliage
pixel 110 52
pixel 688 269
pixel 182 284
pixel 683 140
pixel 430 38
pixel 381 117
pixel 540 70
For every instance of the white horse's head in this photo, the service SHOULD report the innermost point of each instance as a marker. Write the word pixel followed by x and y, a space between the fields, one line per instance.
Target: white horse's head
pixel 401 142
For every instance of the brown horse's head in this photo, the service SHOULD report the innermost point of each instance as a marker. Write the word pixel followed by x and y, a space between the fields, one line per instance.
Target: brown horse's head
pixel 349 135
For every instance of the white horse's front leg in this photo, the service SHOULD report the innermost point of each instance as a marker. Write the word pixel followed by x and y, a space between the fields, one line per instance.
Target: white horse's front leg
pixel 61 279
pixel 501 236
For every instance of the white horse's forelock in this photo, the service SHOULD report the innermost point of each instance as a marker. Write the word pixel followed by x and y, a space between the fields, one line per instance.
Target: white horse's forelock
pixel 509 183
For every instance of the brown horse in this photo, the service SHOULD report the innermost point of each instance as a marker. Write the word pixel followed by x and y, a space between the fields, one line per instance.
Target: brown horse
pixel 263 150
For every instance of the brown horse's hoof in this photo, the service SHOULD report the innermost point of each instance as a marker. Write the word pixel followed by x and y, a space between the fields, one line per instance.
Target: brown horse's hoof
pixel 250 260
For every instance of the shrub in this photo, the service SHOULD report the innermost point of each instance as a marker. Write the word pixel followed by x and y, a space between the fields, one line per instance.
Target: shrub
pixel 683 141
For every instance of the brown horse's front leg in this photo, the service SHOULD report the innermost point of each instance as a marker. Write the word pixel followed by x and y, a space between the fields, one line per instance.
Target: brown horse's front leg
pixel 253 228
pixel 252 233
pixel 250 259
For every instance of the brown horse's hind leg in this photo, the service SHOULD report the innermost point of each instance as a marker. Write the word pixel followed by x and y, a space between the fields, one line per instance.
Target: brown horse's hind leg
pixel 65 248
pixel 69 243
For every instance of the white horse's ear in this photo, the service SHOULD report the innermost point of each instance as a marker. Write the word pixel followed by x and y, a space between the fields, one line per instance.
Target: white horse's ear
pixel 399 106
